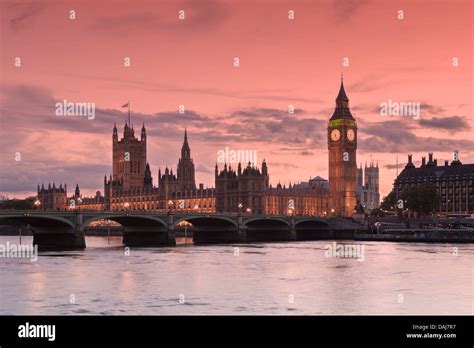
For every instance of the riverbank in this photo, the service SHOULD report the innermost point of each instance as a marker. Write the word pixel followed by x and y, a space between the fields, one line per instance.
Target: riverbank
pixel 419 236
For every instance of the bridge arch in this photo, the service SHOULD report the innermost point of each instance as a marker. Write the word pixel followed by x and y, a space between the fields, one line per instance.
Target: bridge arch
pixel 205 220
pixel 315 221
pixel 264 229
pixel 39 220
pixel 50 232
pixel 313 229
pixel 211 229
pixel 267 219
pixel 128 220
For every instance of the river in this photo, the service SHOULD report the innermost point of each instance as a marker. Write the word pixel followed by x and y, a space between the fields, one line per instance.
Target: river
pixel 265 278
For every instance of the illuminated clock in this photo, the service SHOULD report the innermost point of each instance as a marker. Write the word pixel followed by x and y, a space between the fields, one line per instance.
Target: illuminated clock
pixel 350 135
pixel 335 134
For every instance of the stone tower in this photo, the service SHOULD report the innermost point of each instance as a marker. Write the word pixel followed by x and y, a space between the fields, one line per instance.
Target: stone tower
pixel 129 158
pixel 342 146
pixel 185 170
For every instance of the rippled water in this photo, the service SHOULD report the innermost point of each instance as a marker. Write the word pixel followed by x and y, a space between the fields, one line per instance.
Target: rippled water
pixel 267 278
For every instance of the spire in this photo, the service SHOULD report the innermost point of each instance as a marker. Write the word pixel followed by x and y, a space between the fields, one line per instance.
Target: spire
pixel 342 97
pixel 342 104
pixel 185 150
pixel 148 180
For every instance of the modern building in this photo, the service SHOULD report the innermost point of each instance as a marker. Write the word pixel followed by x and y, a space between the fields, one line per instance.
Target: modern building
pixel 454 182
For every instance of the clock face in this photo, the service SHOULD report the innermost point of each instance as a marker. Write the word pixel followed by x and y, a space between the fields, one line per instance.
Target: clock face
pixel 350 134
pixel 335 135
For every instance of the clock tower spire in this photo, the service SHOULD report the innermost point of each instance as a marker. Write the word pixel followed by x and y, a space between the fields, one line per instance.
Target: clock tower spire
pixel 342 146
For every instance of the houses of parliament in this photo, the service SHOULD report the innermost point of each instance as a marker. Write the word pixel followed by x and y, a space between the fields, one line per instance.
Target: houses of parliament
pixel 244 188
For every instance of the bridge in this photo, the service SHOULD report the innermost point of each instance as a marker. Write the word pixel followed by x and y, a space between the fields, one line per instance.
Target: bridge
pixel 63 230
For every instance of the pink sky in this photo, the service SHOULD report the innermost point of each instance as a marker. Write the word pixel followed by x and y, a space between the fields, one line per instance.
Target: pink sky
pixel 190 62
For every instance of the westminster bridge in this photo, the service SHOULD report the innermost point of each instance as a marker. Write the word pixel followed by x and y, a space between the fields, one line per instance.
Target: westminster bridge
pixel 65 229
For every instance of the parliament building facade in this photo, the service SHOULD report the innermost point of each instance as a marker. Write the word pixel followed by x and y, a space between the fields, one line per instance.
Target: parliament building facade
pixel 244 189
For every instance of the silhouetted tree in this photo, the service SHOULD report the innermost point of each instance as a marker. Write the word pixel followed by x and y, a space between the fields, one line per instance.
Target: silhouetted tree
pixel 389 201
pixel 422 198
pixel 18 204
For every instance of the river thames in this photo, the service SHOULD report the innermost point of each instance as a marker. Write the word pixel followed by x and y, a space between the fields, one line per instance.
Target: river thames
pixel 266 278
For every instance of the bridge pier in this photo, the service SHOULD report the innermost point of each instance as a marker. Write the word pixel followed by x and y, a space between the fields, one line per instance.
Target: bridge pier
pixel 59 240
pixel 293 235
pixel 149 235
pixel 171 238
pixel 60 237
pixel 137 236
pixel 241 230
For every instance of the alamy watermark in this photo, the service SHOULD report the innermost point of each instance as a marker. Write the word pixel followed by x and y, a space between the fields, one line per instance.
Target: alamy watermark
pixel 85 109
pixel 231 156
pixel 338 250
pixel 19 251
pixel 392 108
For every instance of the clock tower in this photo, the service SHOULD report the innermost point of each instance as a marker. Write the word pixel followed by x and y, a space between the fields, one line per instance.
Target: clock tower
pixel 342 146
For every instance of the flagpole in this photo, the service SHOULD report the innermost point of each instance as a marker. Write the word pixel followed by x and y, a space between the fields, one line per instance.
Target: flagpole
pixel 129 124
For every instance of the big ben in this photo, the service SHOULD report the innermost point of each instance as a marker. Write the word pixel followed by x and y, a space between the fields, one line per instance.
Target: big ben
pixel 342 146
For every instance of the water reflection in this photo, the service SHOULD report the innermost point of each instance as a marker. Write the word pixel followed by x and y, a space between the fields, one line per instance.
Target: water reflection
pixel 278 278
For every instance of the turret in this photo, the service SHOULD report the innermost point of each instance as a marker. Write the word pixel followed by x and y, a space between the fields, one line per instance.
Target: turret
pixel 126 131
pixel 114 134
pixel 264 168
pixel 148 180
pixel 143 135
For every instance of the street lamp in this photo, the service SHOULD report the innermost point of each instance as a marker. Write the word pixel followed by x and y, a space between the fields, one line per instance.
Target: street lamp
pixel 170 205
pixel 37 204
pixel 249 210
pixel 126 205
pixel 240 208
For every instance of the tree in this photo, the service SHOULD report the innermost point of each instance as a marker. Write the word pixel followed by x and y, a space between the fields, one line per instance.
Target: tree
pixel 389 201
pixel 377 212
pixel 18 204
pixel 422 198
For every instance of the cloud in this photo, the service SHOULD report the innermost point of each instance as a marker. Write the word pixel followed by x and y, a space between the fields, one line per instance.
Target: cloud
pixel 23 14
pixel 452 123
pixel 432 109
pixel 397 136
pixel 400 166
pixel 204 15
pixel 345 10
pixel 203 169
pixel 53 146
